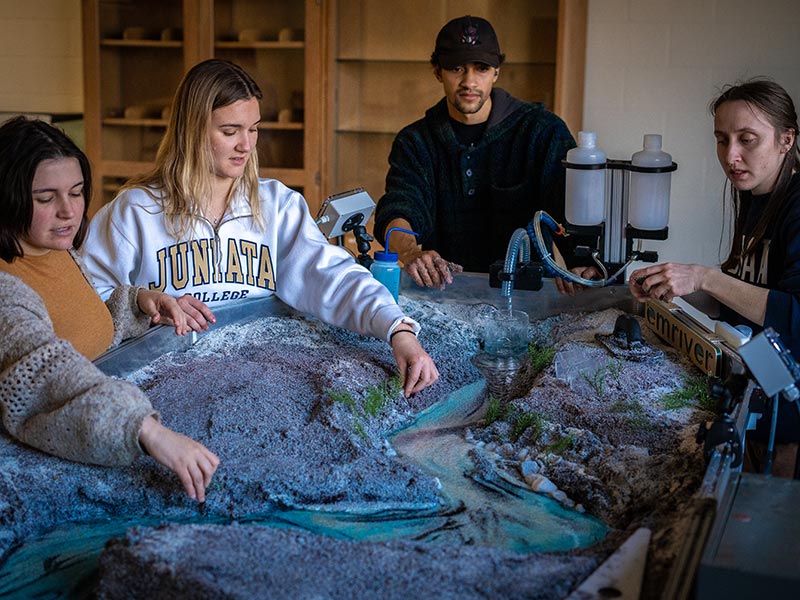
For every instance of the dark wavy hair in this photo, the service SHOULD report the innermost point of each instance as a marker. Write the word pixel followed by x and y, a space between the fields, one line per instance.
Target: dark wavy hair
pixel 777 106
pixel 24 143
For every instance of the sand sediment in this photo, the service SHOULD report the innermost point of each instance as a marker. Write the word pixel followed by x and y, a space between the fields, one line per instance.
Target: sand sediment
pixel 283 402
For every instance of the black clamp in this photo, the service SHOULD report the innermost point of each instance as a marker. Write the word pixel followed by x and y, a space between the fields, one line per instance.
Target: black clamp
pixel 632 233
pixel 721 431
pixel 527 276
pixel 363 242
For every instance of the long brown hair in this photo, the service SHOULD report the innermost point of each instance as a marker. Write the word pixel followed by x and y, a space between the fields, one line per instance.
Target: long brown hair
pixel 777 106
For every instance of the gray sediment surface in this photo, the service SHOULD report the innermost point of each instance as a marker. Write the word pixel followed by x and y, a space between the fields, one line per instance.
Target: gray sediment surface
pixel 284 403
pixel 253 562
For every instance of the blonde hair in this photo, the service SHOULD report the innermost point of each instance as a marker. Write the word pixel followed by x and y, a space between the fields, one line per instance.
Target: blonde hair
pixel 184 165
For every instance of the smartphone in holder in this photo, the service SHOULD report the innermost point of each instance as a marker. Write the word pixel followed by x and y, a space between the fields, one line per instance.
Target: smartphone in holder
pixel 343 212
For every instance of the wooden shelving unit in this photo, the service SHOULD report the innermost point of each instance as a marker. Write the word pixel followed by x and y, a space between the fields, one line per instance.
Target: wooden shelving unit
pixel 340 77
pixel 136 51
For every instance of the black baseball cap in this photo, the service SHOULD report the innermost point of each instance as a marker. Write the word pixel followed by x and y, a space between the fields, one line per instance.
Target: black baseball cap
pixel 466 40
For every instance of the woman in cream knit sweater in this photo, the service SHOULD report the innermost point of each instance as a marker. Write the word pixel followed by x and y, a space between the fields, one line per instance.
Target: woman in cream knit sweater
pixel 51 395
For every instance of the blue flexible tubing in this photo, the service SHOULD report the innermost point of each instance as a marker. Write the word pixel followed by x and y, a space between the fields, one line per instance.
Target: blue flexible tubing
pixel 547 257
pixel 519 238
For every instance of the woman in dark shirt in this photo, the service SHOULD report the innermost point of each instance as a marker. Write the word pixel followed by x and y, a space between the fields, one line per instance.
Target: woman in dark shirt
pixel 755 124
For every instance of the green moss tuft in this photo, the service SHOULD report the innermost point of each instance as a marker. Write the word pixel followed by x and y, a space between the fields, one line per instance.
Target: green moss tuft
pixel 524 421
pixel 358 428
pixel 634 416
pixel 615 368
pixel 375 401
pixel 495 411
pixel 597 381
pixel 693 393
pixel 562 445
pixel 540 357
pixel 344 397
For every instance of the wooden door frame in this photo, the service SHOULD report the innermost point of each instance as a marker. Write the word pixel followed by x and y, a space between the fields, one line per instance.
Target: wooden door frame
pixel 571 62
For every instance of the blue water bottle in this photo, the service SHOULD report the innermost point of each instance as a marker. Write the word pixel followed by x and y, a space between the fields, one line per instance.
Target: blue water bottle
pixel 385 267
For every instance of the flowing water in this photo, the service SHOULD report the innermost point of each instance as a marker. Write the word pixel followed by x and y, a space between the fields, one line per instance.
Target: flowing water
pixel 482 508
pixel 509 516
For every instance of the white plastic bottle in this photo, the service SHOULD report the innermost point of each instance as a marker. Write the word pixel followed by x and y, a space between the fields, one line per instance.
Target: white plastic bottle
pixel 584 203
pixel 385 267
pixel 648 199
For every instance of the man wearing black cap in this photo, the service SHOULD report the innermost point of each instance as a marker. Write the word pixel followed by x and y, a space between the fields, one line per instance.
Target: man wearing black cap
pixel 475 168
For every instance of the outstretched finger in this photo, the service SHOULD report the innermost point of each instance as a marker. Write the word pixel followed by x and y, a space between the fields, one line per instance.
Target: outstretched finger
pixel 208 464
pixel 198 481
pixel 564 286
pixel 188 483
pixel 443 270
pixel 428 374
pixel 651 284
pixel 179 322
pixel 193 325
pixel 428 274
pixel 412 378
pixel 412 271
pixel 198 311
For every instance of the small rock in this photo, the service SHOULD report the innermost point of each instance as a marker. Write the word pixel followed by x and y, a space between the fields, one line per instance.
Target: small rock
pixel 529 467
pixel 541 484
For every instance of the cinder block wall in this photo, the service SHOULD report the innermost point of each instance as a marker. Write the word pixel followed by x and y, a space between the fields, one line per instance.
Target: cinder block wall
pixel 40 56
pixel 653 67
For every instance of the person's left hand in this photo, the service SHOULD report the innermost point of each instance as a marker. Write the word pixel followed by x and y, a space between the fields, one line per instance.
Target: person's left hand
pixel 428 269
pixel 165 309
pixel 666 281
pixel 416 366
pixel 568 287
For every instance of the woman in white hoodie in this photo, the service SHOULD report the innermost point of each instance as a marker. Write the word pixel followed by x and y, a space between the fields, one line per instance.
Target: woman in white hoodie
pixel 202 224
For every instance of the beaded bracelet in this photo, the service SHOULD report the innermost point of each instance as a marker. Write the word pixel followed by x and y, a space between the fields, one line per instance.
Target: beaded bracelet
pixel 394 333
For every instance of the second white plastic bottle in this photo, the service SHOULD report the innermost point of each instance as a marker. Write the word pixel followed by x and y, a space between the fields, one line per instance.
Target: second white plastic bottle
pixel 584 202
pixel 648 200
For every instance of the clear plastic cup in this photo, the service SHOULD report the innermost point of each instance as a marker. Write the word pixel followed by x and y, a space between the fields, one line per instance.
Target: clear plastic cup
pixel 504 333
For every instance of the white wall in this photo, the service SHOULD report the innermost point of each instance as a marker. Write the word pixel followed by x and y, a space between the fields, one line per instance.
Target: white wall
pixel 40 56
pixel 653 66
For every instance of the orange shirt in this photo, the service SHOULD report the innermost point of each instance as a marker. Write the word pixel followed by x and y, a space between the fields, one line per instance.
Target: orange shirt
pixel 78 314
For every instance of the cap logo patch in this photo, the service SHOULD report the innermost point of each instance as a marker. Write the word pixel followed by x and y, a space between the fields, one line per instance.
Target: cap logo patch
pixel 470 35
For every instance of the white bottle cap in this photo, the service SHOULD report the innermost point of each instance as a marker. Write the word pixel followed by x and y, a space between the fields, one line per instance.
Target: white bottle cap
pixel 652 141
pixel 587 139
